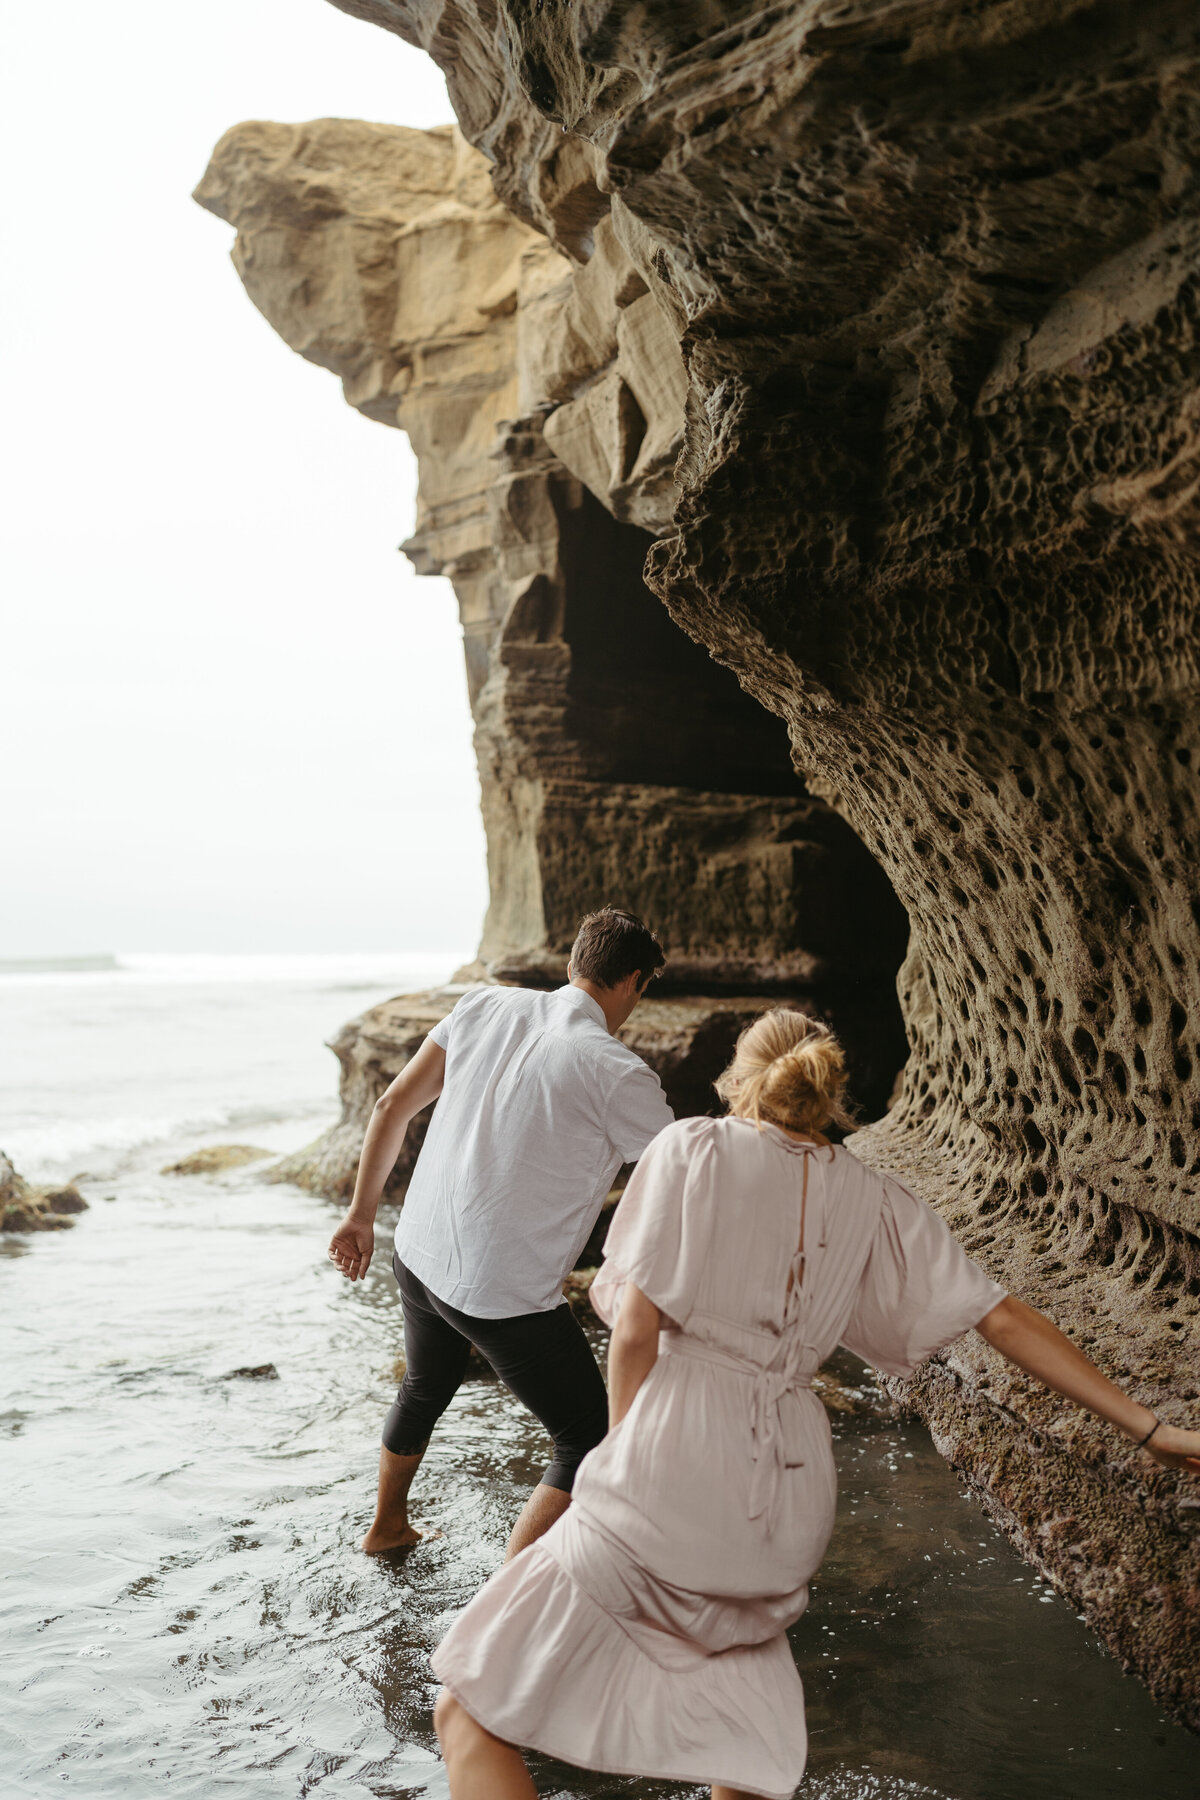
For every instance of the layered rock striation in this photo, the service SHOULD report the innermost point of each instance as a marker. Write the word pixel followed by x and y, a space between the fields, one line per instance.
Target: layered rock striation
pixel 544 400
pixel 934 278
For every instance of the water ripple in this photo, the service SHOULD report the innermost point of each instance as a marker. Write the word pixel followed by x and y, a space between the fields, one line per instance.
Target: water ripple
pixel 184 1601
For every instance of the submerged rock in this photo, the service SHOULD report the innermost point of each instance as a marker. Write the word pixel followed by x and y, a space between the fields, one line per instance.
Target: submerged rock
pixel 24 1206
pixel 214 1158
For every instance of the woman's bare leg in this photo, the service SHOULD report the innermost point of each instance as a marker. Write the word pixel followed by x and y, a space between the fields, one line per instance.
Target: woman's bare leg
pixel 543 1507
pixel 479 1765
pixel 728 1793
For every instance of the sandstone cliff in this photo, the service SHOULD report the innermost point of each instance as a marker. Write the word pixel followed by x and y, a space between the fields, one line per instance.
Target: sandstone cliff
pixel 934 277
pixel 545 404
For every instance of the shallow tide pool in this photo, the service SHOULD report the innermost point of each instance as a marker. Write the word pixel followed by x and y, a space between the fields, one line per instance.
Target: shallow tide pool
pixel 184 1608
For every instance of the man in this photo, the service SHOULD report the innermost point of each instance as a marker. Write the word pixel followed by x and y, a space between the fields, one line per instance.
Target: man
pixel 539 1106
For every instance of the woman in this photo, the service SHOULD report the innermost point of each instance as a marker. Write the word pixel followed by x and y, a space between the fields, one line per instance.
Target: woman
pixel 644 1634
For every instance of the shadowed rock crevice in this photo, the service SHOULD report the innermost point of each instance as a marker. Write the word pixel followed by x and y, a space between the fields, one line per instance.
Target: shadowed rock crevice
pixel 647 702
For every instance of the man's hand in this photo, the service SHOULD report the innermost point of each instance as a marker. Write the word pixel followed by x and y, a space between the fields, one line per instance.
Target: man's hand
pixel 352 1247
pixel 417 1084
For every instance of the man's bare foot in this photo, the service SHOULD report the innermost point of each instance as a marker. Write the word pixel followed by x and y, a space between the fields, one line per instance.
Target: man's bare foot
pixel 379 1539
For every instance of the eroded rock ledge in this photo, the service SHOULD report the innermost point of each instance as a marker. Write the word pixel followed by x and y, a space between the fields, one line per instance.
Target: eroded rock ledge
pixel 687 1042
pixel 934 278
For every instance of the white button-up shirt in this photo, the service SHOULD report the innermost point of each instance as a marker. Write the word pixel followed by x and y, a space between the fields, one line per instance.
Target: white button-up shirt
pixel 540 1107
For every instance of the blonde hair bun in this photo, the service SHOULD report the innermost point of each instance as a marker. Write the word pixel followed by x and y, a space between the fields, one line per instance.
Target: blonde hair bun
pixel 789 1070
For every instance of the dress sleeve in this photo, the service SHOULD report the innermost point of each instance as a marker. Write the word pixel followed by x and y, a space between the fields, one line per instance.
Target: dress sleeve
pixel 659 1237
pixel 919 1291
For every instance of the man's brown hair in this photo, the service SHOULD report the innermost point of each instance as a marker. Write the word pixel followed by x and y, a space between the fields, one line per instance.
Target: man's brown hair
pixel 612 944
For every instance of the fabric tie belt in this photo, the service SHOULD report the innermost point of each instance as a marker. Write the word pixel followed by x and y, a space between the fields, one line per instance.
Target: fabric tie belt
pixel 785 1373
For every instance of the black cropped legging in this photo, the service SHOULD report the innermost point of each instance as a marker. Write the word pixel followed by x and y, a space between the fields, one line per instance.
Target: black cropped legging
pixel 542 1357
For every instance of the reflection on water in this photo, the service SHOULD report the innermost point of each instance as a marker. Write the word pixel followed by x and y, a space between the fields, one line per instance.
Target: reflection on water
pixel 184 1600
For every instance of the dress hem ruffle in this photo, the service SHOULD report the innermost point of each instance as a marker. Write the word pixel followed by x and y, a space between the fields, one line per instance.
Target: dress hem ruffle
pixel 721 1718
pixel 560 1754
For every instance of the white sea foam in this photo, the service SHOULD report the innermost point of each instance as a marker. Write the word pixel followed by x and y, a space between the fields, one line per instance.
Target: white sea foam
pixel 99 1064
pixel 127 968
pixel 98 1146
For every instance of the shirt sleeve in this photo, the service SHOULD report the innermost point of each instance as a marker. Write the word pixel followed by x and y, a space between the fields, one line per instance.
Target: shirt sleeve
pixel 444 1030
pixel 662 1229
pixel 638 1111
pixel 919 1291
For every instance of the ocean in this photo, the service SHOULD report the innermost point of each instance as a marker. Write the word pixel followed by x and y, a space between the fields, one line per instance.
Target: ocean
pixel 104 1057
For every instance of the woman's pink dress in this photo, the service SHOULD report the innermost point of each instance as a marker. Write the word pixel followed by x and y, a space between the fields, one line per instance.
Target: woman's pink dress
pixel 644 1634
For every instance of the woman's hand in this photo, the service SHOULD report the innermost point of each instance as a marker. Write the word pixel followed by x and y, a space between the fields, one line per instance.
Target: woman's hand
pixel 1029 1339
pixel 1175 1448
pixel 352 1246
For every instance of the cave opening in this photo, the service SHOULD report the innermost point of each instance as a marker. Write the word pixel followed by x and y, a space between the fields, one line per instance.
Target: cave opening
pixel 644 699
pixel 761 888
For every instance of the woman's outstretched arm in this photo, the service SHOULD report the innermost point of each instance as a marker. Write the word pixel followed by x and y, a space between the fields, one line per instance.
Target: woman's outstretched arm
pixel 418 1083
pixel 1028 1339
pixel 632 1351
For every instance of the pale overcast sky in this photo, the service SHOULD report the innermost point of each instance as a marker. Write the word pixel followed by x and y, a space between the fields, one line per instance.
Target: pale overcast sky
pixel 232 718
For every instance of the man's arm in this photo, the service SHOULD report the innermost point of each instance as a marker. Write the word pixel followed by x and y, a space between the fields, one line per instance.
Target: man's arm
pixel 638 1112
pixel 416 1086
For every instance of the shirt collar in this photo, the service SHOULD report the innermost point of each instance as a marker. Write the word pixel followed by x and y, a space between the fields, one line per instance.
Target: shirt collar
pixel 575 996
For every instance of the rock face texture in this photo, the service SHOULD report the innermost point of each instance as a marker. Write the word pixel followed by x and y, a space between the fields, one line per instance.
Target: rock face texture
pixel 934 277
pixel 617 759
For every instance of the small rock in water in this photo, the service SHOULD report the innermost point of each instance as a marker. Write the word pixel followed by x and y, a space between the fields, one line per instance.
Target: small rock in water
pixel 27 1207
pixel 866 1398
pixel 66 1199
pixel 215 1157
pixel 259 1372
pixel 577 1287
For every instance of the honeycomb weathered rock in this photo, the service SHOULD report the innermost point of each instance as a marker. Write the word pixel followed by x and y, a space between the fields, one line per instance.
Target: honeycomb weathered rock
pixel 934 275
